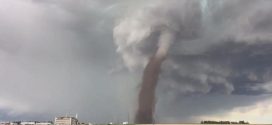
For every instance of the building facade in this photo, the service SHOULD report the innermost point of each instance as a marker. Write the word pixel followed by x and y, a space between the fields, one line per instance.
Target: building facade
pixel 66 121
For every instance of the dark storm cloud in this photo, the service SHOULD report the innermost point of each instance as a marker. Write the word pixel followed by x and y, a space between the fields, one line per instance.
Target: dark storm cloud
pixel 56 55
pixel 229 54
pixel 217 49
pixel 234 67
pixel 172 109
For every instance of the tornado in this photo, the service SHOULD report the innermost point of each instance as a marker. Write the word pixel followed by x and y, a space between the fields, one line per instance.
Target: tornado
pixel 146 102
pixel 143 39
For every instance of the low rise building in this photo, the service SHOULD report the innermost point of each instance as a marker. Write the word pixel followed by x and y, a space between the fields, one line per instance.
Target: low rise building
pixel 28 123
pixel 4 123
pixel 66 121
pixel 44 123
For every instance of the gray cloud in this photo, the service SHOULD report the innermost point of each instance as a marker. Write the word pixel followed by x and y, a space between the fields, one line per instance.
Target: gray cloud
pixel 55 57
pixel 176 109
pixel 216 47
pixel 231 67
pixel 221 48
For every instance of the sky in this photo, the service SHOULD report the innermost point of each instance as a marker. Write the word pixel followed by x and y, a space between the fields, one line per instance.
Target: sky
pixel 85 57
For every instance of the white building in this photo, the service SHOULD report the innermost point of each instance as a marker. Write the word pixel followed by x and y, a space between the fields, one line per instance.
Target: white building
pixel 44 123
pixel 66 121
pixel 125 123
pixel 4 123
pixel 28 123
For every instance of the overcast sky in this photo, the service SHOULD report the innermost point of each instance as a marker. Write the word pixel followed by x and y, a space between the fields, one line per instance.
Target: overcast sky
pixel 59 57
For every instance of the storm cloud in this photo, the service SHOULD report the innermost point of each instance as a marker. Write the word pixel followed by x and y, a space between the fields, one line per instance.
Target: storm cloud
pixel 59 57
pixel 221 47
pixel 55 56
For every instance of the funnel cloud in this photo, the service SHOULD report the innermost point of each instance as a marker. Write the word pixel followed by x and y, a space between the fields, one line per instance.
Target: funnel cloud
pixel 150 78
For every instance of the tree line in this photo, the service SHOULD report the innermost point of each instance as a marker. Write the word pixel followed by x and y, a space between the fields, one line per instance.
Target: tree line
pixel 223 122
